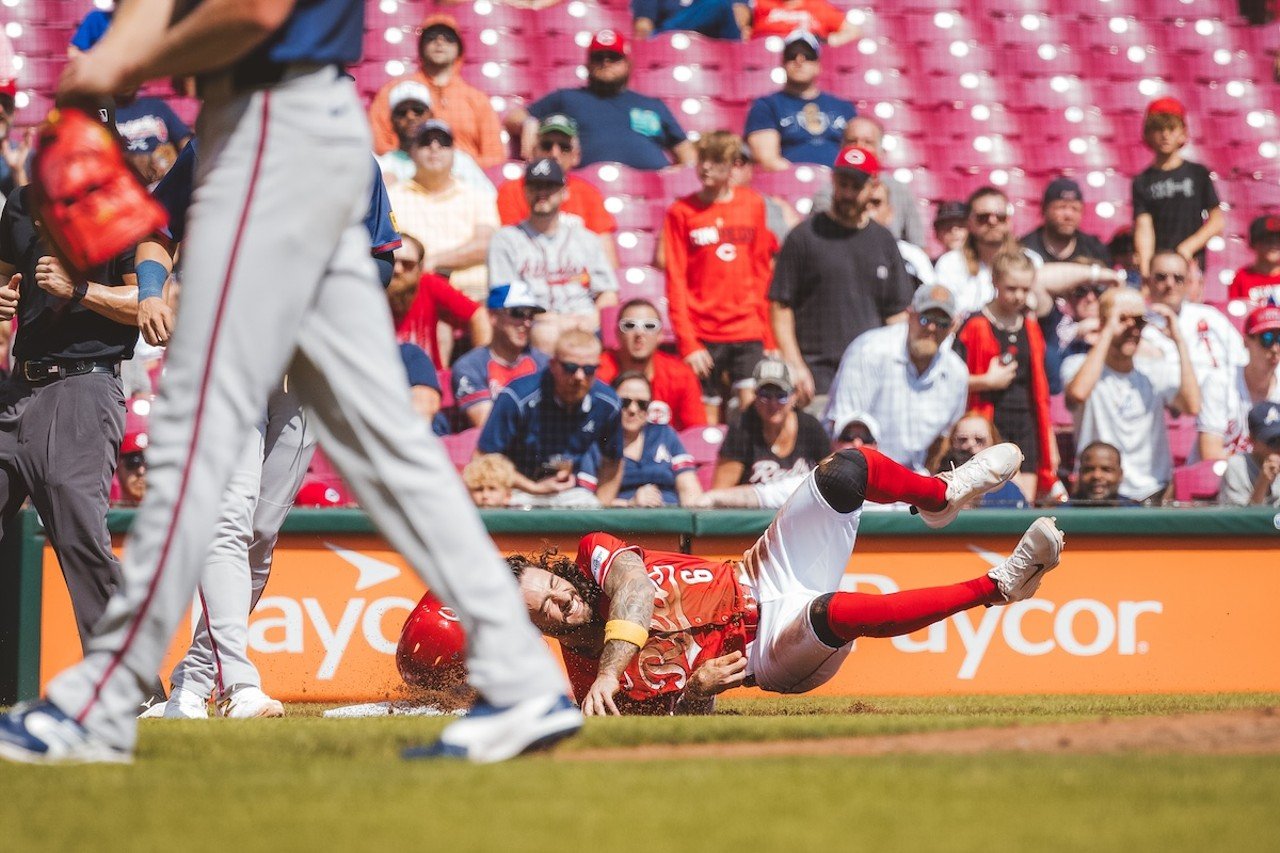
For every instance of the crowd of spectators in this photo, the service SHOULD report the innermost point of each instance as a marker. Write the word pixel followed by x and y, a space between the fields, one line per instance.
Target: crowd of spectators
pixel 779 337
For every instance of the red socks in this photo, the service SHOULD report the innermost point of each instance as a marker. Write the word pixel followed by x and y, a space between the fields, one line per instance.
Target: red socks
pixel 888 482
pixel 855 614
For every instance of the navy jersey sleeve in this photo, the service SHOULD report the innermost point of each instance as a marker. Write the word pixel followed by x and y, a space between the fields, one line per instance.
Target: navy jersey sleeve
pixel 502 426
pixel 174 191
pixel 611 440
pixel 178 129
pixel 761 116
pixel 553 102
pixel 379 219
pixel 671 130
pixel 588 473
pixel 471 380
pixel 418 366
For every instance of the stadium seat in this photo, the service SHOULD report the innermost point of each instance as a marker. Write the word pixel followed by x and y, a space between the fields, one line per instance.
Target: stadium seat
pixel 461 446
pixel 617 179
pixel 1182 437
pixel 445 375
pixel 703 444
pixel 566 21
pixel 1198 483
pixel 609 327
pixel 635 248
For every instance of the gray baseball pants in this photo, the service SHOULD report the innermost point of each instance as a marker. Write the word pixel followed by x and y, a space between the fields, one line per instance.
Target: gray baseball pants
pixel 277 276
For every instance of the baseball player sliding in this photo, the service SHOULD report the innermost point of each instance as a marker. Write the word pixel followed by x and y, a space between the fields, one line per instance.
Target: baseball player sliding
pixel 262 489
pixel 278 278
pixel 655 632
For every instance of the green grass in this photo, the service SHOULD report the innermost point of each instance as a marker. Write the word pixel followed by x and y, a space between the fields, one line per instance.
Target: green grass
pixel 306 783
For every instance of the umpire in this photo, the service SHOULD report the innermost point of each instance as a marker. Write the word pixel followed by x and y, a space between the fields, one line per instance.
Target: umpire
pixel 62 409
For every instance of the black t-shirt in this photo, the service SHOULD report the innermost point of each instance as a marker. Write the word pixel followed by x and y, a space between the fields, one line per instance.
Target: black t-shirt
pixel 746 443
pixel 1088 247
pixel 48 327
pixel 840 282
pixel 1178 201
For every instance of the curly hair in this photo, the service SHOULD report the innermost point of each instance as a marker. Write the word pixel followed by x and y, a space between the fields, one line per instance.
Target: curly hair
pixel 550 559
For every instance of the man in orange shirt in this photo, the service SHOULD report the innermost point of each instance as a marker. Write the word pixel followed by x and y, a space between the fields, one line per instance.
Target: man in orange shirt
pixel 558 139
pixel 454 101
pixel 719 254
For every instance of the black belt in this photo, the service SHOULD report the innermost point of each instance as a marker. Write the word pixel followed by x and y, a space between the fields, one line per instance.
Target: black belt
pixel 259 74
pixel 44 372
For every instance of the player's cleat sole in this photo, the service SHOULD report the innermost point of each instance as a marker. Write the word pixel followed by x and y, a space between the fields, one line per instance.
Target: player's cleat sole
pixel 40 733
pixel 250 703
pixel 489 733
pixel 987 470
pixel 1037 554
pixel 186 705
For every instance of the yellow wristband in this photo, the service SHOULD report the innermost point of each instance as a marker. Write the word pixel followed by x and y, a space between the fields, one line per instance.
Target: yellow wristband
pixel 623 629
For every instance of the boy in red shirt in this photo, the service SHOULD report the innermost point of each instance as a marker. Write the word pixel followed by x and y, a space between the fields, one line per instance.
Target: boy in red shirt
pixel 1260 281
pixel 719 254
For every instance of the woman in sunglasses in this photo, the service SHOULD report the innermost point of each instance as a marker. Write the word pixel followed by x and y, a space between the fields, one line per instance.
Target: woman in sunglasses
pixel 656 469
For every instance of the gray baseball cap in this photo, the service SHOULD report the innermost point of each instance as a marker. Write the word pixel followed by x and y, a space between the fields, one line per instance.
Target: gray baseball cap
pixel 934 298
pixel 771 371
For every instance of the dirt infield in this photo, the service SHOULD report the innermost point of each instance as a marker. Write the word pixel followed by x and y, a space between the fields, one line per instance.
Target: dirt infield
pixel 1252 732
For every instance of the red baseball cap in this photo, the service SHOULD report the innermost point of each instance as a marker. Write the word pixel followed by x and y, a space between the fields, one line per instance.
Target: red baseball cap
pixel 609 41
pixel 857 159
pixel 9 88
pixel 1167 106
pixel 1262 319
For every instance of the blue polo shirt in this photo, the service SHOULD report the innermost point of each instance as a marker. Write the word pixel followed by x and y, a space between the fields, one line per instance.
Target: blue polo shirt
pixel 661 461
pixel 811 129
pixel 529 426
pixel 627 128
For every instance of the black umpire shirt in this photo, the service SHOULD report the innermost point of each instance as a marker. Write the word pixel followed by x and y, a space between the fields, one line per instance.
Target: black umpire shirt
pixel 49 327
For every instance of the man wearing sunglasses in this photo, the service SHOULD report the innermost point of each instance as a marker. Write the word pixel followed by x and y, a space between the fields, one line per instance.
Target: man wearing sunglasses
pixel 905 379
pixel 558 140
pixel 547 423
pixel 410 103
pixel 615 123
pixel 464 107
pixel 1122 402
pixel 1225 405
pixel 1216 348
pixel 480 374
pixel 1253 478
pixel 677 394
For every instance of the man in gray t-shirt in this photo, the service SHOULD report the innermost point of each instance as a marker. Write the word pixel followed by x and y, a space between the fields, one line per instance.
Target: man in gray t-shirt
pixel 1253 478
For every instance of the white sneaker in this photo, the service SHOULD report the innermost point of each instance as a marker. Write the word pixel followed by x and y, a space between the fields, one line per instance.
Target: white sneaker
pixel 185 704
pixel 40 733
pixel 1039 551
pixel 154 711
pixel 489 733
pixel 247 702
pixel 987 470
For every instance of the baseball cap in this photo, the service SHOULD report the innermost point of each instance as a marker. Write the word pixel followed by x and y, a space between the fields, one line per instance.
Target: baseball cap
pixel 1262 319
pixel 515 294
pixel 409 90
pixel 934 298
pixel 1264 422
pixel 864 418
pixel 134 442
pixel 951 209
pixel 544 171
pixel 433 125
pixel 609 41
pixel 9 91
pixel 801 37
pixel 853 158
pixel 1061 189
pixel 771 371
pixel 439 21
pixel 558 123
pixel 1166 106
pixel 1263 227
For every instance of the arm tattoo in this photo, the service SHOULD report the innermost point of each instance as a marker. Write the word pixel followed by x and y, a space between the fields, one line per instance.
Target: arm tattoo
pixel 631 596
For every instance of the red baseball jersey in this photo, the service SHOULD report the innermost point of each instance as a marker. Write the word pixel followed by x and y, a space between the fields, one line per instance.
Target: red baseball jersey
pixel 1254 287
pixel 700 612
pixel 677 396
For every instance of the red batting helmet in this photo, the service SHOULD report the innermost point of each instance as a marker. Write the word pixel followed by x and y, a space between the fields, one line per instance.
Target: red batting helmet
pixel 431 647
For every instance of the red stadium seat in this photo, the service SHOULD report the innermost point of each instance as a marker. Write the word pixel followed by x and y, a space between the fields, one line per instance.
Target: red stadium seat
pixel 635 248
pixel 703 443
pixel 1182 436
pixel 1198 483
pixel 461 446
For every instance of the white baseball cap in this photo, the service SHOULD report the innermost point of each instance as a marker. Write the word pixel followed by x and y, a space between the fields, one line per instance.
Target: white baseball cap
pixel 409 90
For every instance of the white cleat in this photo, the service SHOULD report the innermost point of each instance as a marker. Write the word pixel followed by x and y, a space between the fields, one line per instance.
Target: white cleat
pixel 490 733
pixel 1037 553
pixel 154 711
pixel 247 702
pixel 186 705
pixel 987 470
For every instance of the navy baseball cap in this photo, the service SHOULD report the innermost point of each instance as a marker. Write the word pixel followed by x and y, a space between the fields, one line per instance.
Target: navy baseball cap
pixel 1264 422
pixel 951 209
pixel 430 126
pixel 515 294
pixel 544 171
pixel 1061 189
pixel 1262 228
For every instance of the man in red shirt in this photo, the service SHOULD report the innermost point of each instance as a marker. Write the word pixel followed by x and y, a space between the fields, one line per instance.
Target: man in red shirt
pixel 677 397
pixel 781 17
pixel 558 139
pixel 1260 281
pixel 719 253
pixel 421 301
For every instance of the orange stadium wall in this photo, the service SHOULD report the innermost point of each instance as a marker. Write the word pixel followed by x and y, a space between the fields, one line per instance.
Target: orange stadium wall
pixel 1144 601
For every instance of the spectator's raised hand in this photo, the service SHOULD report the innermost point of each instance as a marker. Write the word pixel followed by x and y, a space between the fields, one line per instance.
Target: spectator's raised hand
pixel 648 495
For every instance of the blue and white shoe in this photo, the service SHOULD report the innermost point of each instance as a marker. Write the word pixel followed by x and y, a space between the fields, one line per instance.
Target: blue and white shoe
pixel 39 733
pixel 489 733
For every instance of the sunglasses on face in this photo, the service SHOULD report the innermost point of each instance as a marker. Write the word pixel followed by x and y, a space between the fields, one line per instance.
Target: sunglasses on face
pixel 1269 338
pixel 773 395
pixel 650 326
pixel 1085 289
pixel 133 461
pixel 522 314
pixel 605 58
pixel 548 146
pixel 939 323
pixel 572 368
pixel 435 139
pixel 448 35
pixel 628 402
pixel 1175 277
pixel 409 110
pixel 991 218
